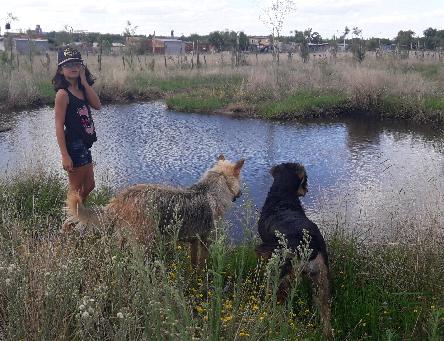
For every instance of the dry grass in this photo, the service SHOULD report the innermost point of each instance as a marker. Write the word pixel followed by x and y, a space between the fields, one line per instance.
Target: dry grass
pixel 374 85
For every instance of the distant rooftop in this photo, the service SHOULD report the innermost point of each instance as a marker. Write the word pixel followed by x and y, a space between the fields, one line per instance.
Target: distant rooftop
pixel 37 39
pixel 167 39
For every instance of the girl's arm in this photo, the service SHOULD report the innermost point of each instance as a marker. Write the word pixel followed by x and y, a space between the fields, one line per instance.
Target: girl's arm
pixel 91 95
pixel 61 103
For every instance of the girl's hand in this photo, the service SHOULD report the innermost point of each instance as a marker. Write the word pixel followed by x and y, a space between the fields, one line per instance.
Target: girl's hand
pixel 67 163
pixel 83 76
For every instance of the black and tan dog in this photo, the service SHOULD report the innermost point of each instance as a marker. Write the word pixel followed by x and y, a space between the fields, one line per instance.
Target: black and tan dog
pixel 283 212
pixel 141 209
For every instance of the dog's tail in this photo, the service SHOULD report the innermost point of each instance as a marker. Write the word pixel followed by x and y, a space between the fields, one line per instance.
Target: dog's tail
pixel 77 210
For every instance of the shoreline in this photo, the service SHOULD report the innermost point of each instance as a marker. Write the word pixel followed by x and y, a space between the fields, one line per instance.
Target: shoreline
pixel 237 110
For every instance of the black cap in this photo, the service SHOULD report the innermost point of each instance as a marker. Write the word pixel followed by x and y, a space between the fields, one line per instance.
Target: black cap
pixel 68 54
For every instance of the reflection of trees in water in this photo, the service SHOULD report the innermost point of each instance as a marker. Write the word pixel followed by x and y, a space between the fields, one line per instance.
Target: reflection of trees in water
pixel 31 141
pixel 265 149
pixel 367 131
pixel 270 145
pixel 10 119
pixel 404 180
pixel 362 133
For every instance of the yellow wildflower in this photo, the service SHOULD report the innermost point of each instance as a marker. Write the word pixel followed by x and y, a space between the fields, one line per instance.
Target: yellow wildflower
pixel 243 333
pixel 227 318
pixel 228 305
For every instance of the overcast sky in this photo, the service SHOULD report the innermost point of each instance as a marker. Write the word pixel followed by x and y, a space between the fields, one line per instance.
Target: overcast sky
pixel 328 17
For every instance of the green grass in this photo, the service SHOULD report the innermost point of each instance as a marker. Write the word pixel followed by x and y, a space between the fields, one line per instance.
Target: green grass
pixel 428 71
pixel 302 104
pixel 427 109
pixel 183 83
pixel 46 91
pixel 180 83
pixel 27 198
pixel 434 103
pixel 193 103
pixel 368 301
pixel 87 287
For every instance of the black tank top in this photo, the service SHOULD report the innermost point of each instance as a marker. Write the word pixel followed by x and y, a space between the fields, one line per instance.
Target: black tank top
pixel 79 124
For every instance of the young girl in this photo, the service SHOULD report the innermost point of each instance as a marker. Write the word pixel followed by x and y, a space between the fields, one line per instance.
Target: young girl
pixel 73 121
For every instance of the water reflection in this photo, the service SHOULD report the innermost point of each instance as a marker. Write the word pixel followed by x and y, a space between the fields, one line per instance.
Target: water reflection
pixel 359 170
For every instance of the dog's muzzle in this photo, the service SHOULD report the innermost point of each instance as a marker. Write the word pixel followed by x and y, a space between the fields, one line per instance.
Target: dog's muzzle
pixel 236 196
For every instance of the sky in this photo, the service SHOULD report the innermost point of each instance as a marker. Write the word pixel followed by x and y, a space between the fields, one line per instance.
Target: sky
pixel 376 18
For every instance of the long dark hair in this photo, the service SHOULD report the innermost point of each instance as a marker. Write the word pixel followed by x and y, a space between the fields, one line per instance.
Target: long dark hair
pixel 59 81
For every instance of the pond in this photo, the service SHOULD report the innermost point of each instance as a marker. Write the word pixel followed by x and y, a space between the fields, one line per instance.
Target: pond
pixel 363 173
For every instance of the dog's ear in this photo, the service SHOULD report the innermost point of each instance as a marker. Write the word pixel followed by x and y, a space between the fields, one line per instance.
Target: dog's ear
pixel 303 179
pixel 238 166
pixel 301 174
pixel 274 170
pixel 221 157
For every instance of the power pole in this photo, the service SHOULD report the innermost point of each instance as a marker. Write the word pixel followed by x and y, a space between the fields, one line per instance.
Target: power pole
pixel 154 38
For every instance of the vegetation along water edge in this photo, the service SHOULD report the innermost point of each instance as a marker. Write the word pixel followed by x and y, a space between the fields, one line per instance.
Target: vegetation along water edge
pixel 385 86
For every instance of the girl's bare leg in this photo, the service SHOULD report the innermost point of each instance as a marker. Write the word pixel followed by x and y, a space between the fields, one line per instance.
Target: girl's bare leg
pixel 81 179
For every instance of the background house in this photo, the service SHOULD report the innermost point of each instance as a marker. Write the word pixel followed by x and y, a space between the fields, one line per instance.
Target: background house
pixel 388 47
pixel 318 48
pixel 168 46
pixel 117 48
pixel 343 47
pixel 174 46
pixel 24 45
pixel 259 43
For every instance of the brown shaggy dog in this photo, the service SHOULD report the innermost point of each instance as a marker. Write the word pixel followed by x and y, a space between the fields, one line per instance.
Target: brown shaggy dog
pixel 144 208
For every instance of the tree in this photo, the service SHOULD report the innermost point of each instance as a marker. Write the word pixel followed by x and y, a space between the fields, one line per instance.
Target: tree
pixel 304 51
pixel 215 39
pixel 372 44
pixel 405 39
pixel 9 19
pixel 243 41
pixel 274 16
pixel 307 35
pixel 440 39
pixel 431 40
pixel 194 37
pixel 345 34
pixel 229 38
pixel 316 38
pixel 358 45
pixel 106 44
pixel 299 37
pixel 129 30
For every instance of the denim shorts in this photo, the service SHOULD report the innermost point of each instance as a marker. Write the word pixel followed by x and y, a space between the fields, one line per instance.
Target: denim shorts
pixel 80 155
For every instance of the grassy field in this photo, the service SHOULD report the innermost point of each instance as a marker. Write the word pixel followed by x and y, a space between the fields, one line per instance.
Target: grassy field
pixel 84 286
pixel 386 86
